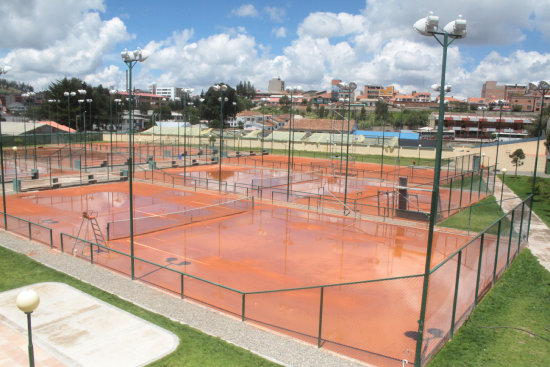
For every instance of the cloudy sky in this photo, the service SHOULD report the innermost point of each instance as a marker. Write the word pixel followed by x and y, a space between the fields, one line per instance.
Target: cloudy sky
pixel 198 43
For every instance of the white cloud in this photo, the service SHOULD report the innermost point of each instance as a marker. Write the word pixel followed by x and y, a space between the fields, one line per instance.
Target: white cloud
pixel 276 14
pixel 279 32
pixel 331 25
pixel 245 10
pixel 77 52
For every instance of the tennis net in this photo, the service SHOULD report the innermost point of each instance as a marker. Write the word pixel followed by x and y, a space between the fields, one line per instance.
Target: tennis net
pixel 142 225
pixel 266 182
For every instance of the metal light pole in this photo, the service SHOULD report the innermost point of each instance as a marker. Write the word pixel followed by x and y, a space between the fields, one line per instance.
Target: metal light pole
pixel 501 104
pixel 456 29
pixel 263 126
pixel 131 58
pixel 112 92
pixel 3 70
pixel 83 102
pixel 27 301
pixel 290 122
pixel 69 95
pixel 350 89
pixel 186 91
pixel 542 87
pixel 118 102
pixel 91 125
pixel 221 88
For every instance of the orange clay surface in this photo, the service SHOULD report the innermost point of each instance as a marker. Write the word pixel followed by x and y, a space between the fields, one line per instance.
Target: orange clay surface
pixel 270 248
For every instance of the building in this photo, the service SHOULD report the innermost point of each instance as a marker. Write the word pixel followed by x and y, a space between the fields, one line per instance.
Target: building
pixel 320 125
pixel 154 100
pixel 165 92
pixel 276 85
pixel 372 91
pixel 474 126
pixel 338 93
pixel 415 99
pixel 490 89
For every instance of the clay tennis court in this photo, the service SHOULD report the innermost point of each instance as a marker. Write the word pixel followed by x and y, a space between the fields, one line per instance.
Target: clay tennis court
pixel 265 249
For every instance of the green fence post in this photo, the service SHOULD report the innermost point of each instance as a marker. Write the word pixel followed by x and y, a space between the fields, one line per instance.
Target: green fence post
pixel 520 230
pixel 51 238
pixel 30 234
pixel 530 214
pixel 91 250
pixel 510 238
pixel 496 252
pixel 479 267
pixel 480 180
pixel 320 317
pixel 61 241
pixel 243 307
pixel 450 195
pixel 458 264
pixel 461 189
pixel 181 284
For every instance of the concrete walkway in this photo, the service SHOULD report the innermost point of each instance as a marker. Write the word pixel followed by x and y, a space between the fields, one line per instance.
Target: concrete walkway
pixel 539 236
pixel 72 328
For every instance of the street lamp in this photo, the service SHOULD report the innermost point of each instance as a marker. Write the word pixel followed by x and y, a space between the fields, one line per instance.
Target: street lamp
pixel 429 26
pixel 504 170
pixel 290 123
pixel 130 58
pixel 264 100
pixel 3 70
pixel 350 89
pixel 27 301
pixel 69 95
pixel 221 88
pixel 112 92
pixel 83 101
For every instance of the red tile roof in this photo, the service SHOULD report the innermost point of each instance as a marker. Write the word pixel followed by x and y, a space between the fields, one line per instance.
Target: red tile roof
pixel 58 126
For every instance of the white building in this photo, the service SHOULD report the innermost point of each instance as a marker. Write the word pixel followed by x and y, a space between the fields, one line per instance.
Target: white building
pixel 166 92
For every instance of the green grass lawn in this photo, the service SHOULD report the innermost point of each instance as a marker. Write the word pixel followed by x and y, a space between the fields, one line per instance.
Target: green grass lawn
pixel 510 326
pixel 521 185
pixel 195 348
pixel 482 215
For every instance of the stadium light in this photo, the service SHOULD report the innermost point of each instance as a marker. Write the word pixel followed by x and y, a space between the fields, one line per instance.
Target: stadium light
pixel 290 123
pixel 3 70
pixel 220 88
pixel 69 95
pixel 429 26
pixel 27 301
pixel 542 87
pixel 350 87
pixel 131 58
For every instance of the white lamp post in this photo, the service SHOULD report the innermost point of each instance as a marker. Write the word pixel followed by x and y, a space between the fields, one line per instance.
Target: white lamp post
pixel 27 301
pixel 131 58
pixel 429 26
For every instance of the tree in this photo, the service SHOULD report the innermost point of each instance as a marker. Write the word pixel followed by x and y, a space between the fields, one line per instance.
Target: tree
pixel 363 114
pixel 517 158
pixel 380 111
pixel 211 104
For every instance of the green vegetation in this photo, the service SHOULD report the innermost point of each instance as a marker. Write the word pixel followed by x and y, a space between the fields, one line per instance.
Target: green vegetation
pixel 195 348
pixel 510 326
pixel 476 218
pixel 521 185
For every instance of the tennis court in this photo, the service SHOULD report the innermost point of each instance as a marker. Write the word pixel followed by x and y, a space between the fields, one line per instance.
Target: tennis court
pixel 279 257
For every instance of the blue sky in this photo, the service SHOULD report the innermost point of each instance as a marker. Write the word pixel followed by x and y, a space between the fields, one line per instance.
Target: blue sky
pixel 307 43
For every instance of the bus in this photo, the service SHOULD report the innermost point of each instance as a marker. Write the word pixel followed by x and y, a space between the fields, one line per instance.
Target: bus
pixel 432 134
pixel 508 136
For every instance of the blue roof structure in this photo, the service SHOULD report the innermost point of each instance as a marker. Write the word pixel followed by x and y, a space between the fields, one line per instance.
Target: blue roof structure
pixel 403 134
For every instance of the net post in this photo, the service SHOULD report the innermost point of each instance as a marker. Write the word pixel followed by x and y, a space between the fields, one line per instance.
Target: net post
pixel 61 241
pixel 252 202
pixel 91 253
pixel 51 238
pixel 496 252
pixel 30 232
pixel 320 318
pixel 457 279
pixel 479 268
pixel 510 238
